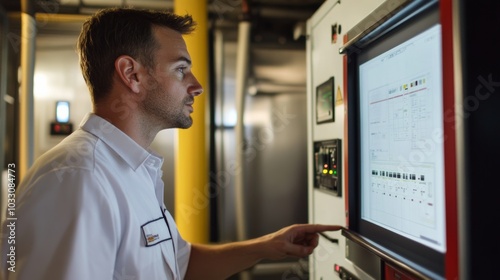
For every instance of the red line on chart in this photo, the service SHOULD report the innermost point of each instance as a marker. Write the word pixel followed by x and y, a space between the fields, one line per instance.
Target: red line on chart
pixel 392 97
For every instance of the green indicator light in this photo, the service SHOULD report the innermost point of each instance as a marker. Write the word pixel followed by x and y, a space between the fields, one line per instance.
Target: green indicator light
pixel 335 172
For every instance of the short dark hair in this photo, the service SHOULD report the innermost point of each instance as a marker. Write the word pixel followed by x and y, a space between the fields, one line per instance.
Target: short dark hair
pixel 121 31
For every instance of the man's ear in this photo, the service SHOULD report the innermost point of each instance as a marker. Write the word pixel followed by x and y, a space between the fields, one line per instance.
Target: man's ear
pixel 128 70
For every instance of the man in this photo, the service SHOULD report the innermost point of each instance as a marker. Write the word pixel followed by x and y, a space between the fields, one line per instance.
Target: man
pixel 92 207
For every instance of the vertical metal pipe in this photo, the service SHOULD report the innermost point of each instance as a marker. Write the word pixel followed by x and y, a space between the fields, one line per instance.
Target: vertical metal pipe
pixel 25 113
pixel 219 126
pixel 3 92
pixel 241 85
pixel 242 67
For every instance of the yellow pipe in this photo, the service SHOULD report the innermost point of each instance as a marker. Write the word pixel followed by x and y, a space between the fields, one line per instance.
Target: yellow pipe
pixel 191 171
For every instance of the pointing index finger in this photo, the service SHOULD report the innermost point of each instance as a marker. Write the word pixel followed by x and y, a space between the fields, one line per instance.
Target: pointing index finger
pixel 319 228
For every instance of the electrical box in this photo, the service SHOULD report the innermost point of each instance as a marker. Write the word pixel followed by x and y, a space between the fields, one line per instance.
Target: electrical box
pixel 328 166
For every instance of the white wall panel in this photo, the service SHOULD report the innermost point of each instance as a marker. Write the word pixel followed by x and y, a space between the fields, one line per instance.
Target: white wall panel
pixel 324 61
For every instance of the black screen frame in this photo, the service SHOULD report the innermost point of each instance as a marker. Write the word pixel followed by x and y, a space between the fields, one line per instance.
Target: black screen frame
pixel 413 253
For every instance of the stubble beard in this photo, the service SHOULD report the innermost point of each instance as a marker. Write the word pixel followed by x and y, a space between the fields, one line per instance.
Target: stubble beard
pixel 169 116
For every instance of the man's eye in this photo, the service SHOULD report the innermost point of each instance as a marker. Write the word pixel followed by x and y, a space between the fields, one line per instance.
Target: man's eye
pixel 181 69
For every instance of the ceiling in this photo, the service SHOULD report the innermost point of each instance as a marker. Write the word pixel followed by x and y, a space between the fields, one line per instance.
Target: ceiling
pixel 278 55
pixel 273 21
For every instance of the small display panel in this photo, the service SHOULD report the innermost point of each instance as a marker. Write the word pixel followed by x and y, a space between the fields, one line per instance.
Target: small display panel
pixel 401 132
pixel 62 111
pixel 325 103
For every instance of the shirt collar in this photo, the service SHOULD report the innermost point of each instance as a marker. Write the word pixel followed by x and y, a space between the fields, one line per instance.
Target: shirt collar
pixel 131 152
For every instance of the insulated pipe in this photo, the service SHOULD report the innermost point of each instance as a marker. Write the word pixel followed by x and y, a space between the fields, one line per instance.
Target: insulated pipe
pixel 25 113
pixel 241 84
pixel 192 196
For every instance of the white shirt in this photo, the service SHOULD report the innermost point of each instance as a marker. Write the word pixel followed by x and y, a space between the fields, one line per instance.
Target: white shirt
pixel 91 208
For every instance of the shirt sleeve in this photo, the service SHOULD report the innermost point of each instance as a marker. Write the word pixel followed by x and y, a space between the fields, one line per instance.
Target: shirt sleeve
pixel 65 228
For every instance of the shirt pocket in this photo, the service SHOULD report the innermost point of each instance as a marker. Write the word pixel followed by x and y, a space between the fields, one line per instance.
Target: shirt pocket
pixel 157 233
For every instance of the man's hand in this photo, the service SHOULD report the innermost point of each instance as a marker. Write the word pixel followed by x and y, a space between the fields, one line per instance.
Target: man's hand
pixel 221 261
pixel 295 240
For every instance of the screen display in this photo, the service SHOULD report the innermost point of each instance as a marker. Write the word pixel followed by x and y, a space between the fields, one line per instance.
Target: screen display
pixel 401 140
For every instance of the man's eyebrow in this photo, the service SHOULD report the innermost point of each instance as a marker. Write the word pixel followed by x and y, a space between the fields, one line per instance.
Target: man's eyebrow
pixel 183 58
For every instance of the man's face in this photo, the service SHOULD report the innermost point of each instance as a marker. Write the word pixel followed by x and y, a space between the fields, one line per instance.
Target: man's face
pixel 172 86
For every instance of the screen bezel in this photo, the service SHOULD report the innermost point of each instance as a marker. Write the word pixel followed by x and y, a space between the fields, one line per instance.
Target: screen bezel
pixel 414 253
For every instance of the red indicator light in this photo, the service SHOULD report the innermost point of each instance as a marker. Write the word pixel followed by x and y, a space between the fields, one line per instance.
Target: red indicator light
pixel 326 166
pixel 335 166
pixel 60 128
pixel 337 267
